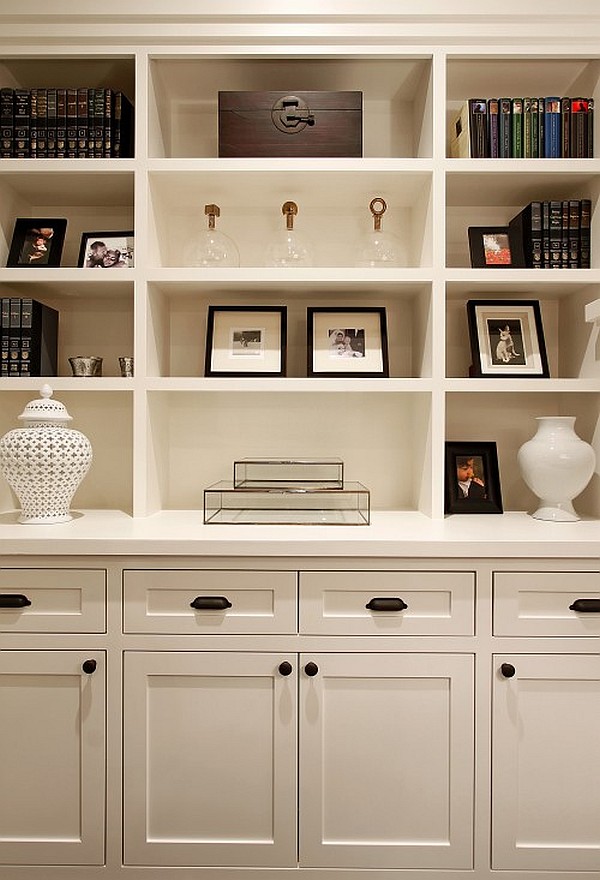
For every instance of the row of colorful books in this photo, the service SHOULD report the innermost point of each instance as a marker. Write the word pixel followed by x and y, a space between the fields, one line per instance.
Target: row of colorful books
pixel 28 338
pixel 554 234
pixel 77 123
pixel 524 128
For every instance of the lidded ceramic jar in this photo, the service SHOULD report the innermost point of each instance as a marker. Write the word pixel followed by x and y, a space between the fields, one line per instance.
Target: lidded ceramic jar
pixel 45 461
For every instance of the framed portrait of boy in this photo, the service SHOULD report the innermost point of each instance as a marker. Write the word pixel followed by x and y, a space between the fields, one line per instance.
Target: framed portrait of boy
pixel 37 241
pixel 507 339
pixel 106 250
pixel 347 342
pixel 246 341
pixel 472 478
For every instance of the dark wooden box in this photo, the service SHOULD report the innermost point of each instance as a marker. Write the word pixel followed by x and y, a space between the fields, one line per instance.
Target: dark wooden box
pixel 290 124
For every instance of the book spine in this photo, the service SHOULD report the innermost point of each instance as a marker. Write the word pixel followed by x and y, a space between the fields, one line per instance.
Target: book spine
pixel 494 131
pixel 590 128
pixel 574 210
pixel 517 128
pixel 552 147
pixel 82 123
pixel 14 338
pixel 555 218
pixel 61 123
pixel 123 127
pixel 585 255
pixel 535 226
pixel 108 115
pixel 22 123
pixel 579 109
pixel 7 123
pixel 99 102
pixel 72 123
pixel 504 128
pixel 51 123
pixel 42 123
pixel 527 129
pixel 545 234
pixel 541 127
pixel 33 124
pixel 91 127
pixel 4 334
pixel 565 122
pixel 26 353
pixel 479 128
pixel 564 253
pixel 535 128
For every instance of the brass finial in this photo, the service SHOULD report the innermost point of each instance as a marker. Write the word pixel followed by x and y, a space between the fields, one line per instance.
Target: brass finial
pixel 212 211
pixel 378 208
pixel 290 209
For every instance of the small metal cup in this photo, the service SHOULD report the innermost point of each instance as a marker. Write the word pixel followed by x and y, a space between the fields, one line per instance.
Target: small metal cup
pixel 126 367
pixel 86 366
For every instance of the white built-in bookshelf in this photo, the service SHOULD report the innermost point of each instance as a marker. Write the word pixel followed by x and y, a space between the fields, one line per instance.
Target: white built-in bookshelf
pixel 161 437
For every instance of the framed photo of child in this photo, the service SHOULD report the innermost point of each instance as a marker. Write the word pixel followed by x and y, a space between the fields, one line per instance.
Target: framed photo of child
pixel 106 250
pixel 472 478
pixel 37 241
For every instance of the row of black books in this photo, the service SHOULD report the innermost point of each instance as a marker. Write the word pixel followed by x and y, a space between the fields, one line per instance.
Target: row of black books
pixel 524 128
pixel 554 234
pixel 28 338
pixel 79 123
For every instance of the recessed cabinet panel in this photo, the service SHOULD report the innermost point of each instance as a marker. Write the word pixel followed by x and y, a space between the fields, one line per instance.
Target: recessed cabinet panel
pixel 52 600
pixel 387 603
pixel 547 603
pixel 546 781
pixel 53 758
pixel 210 767
pixel 386 761
pixel 200 602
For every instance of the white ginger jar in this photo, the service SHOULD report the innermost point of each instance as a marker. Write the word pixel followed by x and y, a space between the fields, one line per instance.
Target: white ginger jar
pixel 45 461
pixel 557 465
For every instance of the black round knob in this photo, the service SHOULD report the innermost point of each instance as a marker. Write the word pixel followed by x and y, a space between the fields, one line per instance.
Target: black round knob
pixel 507 670
pixel 89 666
pixel 311 669
pixel 285 668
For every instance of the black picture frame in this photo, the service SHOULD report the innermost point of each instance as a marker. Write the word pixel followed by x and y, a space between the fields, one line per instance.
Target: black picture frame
pixel 507 339
pixel 246 341
pixel 37 242
pixel 107 249
pixel 495 247
pixel 362 351
pixel 484 457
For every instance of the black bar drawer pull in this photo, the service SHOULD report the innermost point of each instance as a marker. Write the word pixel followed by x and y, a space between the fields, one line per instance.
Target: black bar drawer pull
pixel 585 606
pixel 386 603
pixel 210 603
pixel 14 600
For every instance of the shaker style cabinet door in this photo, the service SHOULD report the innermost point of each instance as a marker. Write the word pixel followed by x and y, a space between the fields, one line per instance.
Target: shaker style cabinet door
pixel 52 766
pixel 210 759
pixel 386 761
pixel 546 773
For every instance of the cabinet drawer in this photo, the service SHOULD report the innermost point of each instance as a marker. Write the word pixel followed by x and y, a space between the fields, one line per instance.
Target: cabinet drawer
pixel 198 602
pixel 52 600
pixel 437 603
pixel 537 603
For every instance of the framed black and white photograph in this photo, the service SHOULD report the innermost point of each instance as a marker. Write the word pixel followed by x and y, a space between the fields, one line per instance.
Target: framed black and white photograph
pixel 347 342
pixel 472 478
pixel 37 241
pixel 494 247
pixel 106 250
pixel 246 341
pixel 507 338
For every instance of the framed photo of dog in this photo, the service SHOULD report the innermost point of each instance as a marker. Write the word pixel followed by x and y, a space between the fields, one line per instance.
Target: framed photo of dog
pixel 507 339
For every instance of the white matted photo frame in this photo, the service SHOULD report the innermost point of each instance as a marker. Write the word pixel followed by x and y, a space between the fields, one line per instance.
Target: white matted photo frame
pixel 347 342
pixel 107 250
pixel 246 341
pixel 507 339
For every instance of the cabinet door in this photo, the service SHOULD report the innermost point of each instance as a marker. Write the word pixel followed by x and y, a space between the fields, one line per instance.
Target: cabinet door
pixel 386 761
pixel 546 773
pixel 210 759
pixel 52 758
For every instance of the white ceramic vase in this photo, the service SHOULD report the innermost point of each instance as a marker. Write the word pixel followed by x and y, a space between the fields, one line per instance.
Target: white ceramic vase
pixel 44 462
pixel 557 465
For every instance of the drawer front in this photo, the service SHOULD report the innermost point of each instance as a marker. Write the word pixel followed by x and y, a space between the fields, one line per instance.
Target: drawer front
pixel 52 600
pixel 538 603
pixel 437 603
pixel 200 602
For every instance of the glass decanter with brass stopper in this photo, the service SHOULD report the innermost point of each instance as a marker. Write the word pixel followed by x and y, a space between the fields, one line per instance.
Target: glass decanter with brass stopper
pixel 378 248
pixel 212 248
pixel 288 248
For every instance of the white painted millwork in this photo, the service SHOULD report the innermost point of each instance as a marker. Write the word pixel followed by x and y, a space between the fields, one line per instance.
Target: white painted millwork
pixel 59 600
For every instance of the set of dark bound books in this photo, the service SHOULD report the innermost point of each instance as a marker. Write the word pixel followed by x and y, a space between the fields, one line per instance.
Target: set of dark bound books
pixel 80 123
pixel 525 128
pixel 554 234
pixel 28 338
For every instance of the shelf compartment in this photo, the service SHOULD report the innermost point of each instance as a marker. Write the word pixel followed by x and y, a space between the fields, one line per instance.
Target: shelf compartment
pixel 508 418
pixel 177 320
pixel 106 418
pixel 194 438
pixel 397 97
pixel 571 343
pixel 95 315
pixel 333 211
pixel 89 200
